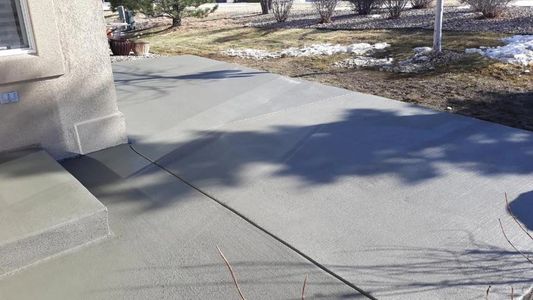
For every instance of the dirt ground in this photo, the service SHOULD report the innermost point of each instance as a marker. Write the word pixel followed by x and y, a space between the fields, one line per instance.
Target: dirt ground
pixel 473 86
pixel 491 97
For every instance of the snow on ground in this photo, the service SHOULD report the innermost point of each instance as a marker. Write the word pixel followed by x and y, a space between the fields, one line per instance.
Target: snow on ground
pixel 518 50
pixel 313 50
pixel 363 61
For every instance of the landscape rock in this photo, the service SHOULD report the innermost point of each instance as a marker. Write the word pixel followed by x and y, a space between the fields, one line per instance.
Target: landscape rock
pixel 516 20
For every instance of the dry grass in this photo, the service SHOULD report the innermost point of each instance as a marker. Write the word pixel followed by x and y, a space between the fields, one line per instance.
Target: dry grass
pixel 473 86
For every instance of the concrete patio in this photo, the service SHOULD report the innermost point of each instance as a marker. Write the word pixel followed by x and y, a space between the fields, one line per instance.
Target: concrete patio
pixel 292 178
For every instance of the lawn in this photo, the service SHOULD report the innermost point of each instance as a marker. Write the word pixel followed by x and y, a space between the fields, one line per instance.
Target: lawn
pixel 473 86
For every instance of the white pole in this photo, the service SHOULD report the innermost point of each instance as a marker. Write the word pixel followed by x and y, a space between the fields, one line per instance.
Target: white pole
pixel 437 37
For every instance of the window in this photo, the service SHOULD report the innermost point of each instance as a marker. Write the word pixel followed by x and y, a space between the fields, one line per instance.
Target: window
pixel 47 59
pixel 15 34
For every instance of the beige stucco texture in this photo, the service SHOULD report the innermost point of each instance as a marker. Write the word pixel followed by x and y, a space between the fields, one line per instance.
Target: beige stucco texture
pixel 67 97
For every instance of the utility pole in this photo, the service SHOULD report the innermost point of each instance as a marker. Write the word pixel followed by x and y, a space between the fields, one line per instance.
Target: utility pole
pixel 437 36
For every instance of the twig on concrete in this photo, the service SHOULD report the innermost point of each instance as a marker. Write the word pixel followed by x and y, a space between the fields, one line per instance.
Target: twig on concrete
pixel 303 287
pixel 232 273
pixel 515 219
pixel 512 245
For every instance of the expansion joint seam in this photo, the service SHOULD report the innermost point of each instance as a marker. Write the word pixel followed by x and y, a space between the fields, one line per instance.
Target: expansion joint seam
pixel 235 212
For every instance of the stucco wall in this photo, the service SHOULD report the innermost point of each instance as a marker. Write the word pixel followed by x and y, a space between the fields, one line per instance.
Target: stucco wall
pixel 69 114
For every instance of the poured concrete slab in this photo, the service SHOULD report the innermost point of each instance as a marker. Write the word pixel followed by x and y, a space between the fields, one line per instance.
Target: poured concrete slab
pixel 191 94
pixel 399 200
pixel 44 211
pixel 164 246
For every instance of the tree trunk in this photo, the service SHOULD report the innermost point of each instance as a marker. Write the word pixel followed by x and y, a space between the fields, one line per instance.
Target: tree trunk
pixel 437 36
pixel 176 14
pixel 264 7
pixel 176 21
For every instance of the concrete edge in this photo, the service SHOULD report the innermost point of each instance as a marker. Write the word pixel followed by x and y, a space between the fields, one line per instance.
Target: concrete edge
pixel 58 240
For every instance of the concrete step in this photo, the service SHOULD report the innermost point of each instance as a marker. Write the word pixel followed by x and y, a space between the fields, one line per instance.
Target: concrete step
pixel 44 211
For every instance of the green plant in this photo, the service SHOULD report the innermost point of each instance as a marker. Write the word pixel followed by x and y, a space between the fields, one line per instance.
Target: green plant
pixel 134 5
pixel 200 12
pixel 174 9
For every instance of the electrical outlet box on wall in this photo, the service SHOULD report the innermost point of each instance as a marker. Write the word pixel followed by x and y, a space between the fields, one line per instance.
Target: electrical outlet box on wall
pixel 9 97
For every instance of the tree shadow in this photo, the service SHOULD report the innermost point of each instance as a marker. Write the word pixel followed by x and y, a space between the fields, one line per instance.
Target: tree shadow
pixel 128 76
pixel 419 270
pixel 522 209
pixel 364 142
pixel 513 109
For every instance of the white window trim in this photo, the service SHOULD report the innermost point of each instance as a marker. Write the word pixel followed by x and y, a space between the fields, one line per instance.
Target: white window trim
pixel 28 30
pixel 48 61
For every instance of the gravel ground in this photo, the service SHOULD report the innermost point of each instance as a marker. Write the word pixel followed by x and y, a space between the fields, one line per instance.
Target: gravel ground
pixel 518 20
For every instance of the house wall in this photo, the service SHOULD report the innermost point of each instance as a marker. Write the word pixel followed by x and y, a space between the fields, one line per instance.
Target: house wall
pixel 67 97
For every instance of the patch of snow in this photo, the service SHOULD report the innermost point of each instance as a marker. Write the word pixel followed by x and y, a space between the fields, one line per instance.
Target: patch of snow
pixel 364 61
pixel 518 50
pixel 423 50
pixel 423 60
pixel 381 46
pixel 474 51
pixel 251 53
pixel 312 50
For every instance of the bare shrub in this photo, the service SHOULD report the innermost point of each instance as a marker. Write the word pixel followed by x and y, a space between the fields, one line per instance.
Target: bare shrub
pixel 281 9
pixel 395 7
pixel 325 9
pixel 419 4
pixel 365 7
pixel 489 8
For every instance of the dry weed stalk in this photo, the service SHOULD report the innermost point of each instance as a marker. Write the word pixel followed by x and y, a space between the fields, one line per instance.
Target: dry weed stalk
pixel 234 277
pixel 232 273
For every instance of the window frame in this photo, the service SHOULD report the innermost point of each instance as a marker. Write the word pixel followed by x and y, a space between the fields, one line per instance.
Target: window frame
pixel 28 30
pixel 47 59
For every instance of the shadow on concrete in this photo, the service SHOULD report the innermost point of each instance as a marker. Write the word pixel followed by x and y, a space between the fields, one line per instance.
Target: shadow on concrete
pixel 207 75
pixel 159 84
pixel 433 269
pixel 362 142
pixel 511 109
pixel 141 182
pixel 522 209
pixel 365 142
